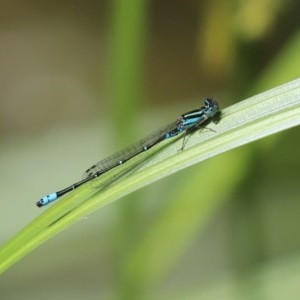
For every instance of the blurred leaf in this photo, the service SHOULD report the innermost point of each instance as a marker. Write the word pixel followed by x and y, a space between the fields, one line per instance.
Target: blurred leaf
pixel 194 202
pixel 284 67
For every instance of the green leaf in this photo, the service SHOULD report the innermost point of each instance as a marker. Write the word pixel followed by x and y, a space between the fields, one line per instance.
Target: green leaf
pixel 262 115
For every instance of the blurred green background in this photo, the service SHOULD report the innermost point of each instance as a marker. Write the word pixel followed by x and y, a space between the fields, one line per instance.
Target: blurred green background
pixel 81 79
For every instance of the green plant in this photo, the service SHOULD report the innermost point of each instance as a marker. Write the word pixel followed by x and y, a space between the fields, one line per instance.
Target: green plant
pixel 257 117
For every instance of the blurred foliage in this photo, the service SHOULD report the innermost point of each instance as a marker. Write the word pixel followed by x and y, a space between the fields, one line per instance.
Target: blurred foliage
pixel 58 60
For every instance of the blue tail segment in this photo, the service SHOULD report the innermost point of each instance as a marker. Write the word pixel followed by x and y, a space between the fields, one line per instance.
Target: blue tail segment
pixel 47 199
